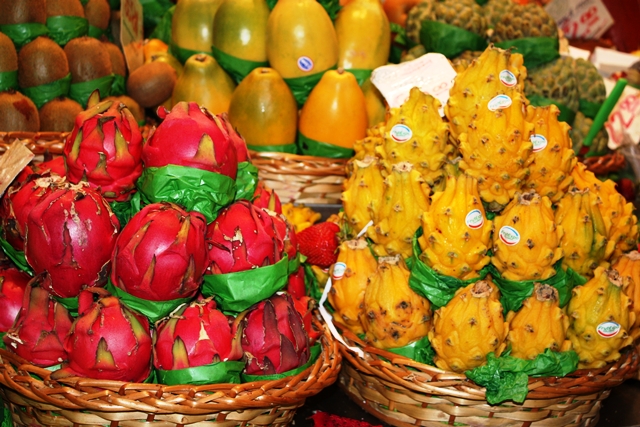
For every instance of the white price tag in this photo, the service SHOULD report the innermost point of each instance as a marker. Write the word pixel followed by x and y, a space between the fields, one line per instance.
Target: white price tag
pixel 623 125
pixel 132 33
pixel 580 19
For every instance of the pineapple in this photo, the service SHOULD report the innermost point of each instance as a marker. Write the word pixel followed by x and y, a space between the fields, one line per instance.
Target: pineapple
pixel 362 193
pixel 526 242
pixel 393 314
pixel 553 156
pixel 600 319
pixel 538 325
pixel 456 233
pixel 469 327
pixel 628 265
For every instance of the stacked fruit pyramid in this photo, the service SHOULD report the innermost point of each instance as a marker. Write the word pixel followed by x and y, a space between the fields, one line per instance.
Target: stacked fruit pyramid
pixel 483 235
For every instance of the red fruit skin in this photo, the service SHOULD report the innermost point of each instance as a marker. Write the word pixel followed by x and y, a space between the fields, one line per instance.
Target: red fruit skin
pixel 242 151
pixel 160 254
pixel 71 233
pixel 55 166
pixel 286 235
pixel 13 284
pixel 319 243
pixel 264 197
pixel 178 139
pixel 207 335
pixel 296 287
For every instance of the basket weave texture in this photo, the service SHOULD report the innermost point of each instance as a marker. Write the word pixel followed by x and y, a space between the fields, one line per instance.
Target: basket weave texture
pixel 403 392
pixel 33 398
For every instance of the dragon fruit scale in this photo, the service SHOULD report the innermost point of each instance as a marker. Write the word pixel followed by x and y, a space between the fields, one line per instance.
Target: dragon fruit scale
pixel 105 149
pixel 191 136
pixel 197 334
pixel 40 327
pixel 71 233
pixel 107 340
pixel 13 283
pixel 273 338
pixel 160 254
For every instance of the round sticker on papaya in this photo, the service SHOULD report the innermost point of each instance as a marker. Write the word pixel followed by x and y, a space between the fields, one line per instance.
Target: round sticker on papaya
pixel 401 133
pixel 305 63
pixel 509 235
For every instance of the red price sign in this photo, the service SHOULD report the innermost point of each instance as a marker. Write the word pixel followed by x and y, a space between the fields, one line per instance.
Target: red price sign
pixel 132 33
pixel 587 19
pixel 624 120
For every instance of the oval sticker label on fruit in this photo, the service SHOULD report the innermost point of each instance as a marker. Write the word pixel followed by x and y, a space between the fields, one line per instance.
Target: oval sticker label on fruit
pixel 539 142
pixel 339 269
pixel 499 102
pixel 507 78
pixel 474 219
pixel 509 235
pixel 401 133
pixel 608 329
pixel 305 63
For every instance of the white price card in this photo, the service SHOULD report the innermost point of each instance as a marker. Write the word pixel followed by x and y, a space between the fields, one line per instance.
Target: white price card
pixel 580 19
pixel 132 33
pixel 623 125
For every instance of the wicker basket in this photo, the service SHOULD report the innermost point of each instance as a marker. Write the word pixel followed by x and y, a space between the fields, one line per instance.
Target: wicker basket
pixel 44 145
pixel 402 392
pixel 35 400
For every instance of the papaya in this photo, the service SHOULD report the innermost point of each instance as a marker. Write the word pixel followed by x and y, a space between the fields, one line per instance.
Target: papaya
pixel 364 37
pixel 376 104
pixel 192 27
pixel 264 111
pixel 334 116
pixel 203 81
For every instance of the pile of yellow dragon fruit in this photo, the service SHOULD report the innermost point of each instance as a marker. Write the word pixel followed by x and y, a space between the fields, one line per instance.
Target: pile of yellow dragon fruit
pixel 484 232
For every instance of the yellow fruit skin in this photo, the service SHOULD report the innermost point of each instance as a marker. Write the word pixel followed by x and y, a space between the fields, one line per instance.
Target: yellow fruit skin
pixel 376 105
pixel 599 300
pixel 468 328
pixel 205 82
pixel 539 324
pixel 263 109
pixel 362 192
pixel 298 28
pixel 300 216
pixel 368 146
pixel 192 24
pixel 347 293
pixel 335 111
pixel 536 251
pixel 453 244
pixel 240 29
pixel 628 265
pixel 364 35
pixel 393 314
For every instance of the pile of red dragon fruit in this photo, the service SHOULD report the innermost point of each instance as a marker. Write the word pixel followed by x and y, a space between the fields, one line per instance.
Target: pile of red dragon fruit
pixel 159 259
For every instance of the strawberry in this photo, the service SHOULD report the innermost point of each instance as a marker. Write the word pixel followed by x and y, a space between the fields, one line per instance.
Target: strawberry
pixel 319 243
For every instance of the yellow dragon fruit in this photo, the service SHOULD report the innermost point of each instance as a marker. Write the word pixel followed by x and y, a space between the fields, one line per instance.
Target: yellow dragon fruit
pixel 496 148
pixel 362 193
pixel 553 155
pixel 628 265
pixel 416 133
pixel 526 242
pixel 368 145
pixel 456 233
pixel 538 325
pixel 495 72
pixel 350 276
pixel 393 314
pixel 469 327
pixel 404 199
pixel 586 246
pixel 600 319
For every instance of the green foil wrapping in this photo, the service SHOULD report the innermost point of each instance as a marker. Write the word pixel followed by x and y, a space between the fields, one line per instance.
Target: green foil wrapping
pixel 215 373
pixel 302 86
pixel 22 34
pixel 42 94
pixel 566 114
pixel 8 80
pixel 246 181
pixel 284 148
pixel 312 147
pixel 236 67
pixel 17 257
pixel 449 40
pixel 535 50
pixel 64 28
pixel 80 92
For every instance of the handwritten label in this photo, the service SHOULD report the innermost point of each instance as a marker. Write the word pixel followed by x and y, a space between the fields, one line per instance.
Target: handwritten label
pixel 623 125
pixel 12 162
pixel 509 235
pixel 580 19
pixel 132 33
pixel 401 133
pixel 608 329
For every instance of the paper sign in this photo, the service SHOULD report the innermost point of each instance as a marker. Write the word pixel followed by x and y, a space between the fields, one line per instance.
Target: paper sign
pixel 12 162
pixel 580 19
pixel 623 125
pixel 132 33
pixel 431 73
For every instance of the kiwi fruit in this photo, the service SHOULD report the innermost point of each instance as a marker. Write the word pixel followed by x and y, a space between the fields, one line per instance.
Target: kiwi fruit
pixel 41 61
pixel 118 64
pixel 98 13
pixel 88 59
pixel 65 8
pixel 8 54
pixel 132 105
pixel 23 11
pixel 59 115
pixel 18 113
pixel 152 83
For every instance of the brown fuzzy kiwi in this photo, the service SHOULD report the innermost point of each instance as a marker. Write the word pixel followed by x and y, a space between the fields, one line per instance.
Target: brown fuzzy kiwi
pixel 23 11
pixel 114 26
pixel 41 61
pixel 88 59
pixel 152 83
pixel 132 105
pixel 8 54
pixel 118 64
pixel 65 8
pixel 98 13
pixel 18 113
pixel 59 115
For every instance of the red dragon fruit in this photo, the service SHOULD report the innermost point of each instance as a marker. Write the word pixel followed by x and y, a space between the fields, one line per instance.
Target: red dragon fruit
pixel 105 149
pixel 40 327
pixel 55 166
pixel 242 152
pixel 191 136
pixel 71 233
pixel 264 197
pixel 160 254
pixel 242 237
pixel 296 285
pixel 287 234
pixel 274 339
pixel 108 340
pixel 13 283
pixel 196 335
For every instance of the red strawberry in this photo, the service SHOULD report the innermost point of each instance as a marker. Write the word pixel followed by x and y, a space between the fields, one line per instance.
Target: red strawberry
pixel 319 243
